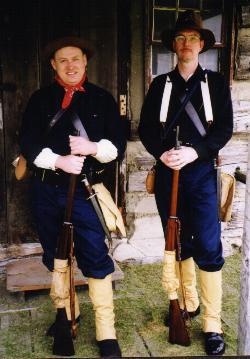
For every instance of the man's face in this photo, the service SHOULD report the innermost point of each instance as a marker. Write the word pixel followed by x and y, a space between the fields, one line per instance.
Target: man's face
pixel 70 64
pixel 187 45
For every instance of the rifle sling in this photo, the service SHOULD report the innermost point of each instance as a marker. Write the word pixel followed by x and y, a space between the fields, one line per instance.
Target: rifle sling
pixel 58 115
pixel 178 113
pixel 77 123
pixel 194 117
pixel 55 119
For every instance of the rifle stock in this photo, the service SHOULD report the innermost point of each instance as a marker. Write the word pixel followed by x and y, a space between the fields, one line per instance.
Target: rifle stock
pixel 178 333
pixel 72 285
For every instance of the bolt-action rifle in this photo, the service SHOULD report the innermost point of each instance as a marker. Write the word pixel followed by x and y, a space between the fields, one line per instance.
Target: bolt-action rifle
pixel 178 333
pixel 64 334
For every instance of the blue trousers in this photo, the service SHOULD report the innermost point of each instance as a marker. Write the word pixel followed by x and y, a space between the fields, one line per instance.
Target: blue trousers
pixel 91 251
pixel 197 210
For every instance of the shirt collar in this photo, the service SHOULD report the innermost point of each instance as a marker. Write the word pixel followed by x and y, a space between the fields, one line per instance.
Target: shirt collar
pixel 199 74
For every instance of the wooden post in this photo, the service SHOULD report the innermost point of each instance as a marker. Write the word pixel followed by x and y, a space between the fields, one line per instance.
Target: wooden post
pixel 244 317
pixel 3 203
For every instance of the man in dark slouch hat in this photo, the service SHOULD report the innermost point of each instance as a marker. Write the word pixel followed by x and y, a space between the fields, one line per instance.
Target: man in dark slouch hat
pixel 55 152
pixel 205 126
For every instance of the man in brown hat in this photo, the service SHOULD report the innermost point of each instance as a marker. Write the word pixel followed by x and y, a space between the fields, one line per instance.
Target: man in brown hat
pixel 205 125
pixel 49 143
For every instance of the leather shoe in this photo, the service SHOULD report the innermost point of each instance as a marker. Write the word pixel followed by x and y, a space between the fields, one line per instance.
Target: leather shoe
pixel 214 343
pixel 51 332
pixel 109 348
pixel 191 315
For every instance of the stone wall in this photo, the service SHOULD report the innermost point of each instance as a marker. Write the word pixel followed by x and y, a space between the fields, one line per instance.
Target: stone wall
pixel 243 44
pixel 235 153
pixel 244 323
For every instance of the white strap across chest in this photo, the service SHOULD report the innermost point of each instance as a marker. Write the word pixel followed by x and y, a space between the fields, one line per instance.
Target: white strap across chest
pixel 205 96
pixel 165 100
pixel 207 100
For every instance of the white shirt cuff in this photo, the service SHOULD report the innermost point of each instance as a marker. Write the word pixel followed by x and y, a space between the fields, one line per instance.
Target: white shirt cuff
pixel 46 159
pixel 106 151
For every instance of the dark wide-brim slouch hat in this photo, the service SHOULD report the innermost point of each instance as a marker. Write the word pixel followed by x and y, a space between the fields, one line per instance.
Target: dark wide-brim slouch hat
pixel 66 41
pixel 188 20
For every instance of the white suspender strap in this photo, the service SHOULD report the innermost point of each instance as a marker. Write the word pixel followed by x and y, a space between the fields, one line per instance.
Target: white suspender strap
pixel 165 100
pixel 205 96
pixel 206 100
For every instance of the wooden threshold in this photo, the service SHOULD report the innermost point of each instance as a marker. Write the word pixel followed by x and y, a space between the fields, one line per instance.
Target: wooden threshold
pixel 30 274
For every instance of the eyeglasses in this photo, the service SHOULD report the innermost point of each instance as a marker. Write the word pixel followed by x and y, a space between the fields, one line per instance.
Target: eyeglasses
pixel 190 38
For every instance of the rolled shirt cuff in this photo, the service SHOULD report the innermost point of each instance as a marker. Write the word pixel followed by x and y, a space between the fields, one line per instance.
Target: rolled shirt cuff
pixel 46 159
pixel 106 151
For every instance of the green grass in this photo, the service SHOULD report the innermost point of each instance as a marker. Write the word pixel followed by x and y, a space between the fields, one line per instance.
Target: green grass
pixel 140 306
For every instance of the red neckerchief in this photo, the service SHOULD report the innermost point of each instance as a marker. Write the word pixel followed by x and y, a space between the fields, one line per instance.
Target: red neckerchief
pixel 70 90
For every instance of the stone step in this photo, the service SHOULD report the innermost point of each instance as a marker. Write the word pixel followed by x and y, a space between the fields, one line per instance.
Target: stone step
pixel 144 228
pixel 136 181
pixel 141 251
pixel 141 204
pixel 137 157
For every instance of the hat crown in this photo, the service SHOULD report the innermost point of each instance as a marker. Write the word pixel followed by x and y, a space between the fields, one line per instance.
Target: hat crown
pixel 189 19
pixel 61 42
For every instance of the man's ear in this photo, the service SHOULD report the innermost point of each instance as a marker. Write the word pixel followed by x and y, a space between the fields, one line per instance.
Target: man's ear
pixel 85 59
pixel 53 64
pixel 202 45
pixel 174 45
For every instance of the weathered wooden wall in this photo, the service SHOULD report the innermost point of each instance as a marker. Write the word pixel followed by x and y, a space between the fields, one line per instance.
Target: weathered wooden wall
pixel 20 69
pixel 243 46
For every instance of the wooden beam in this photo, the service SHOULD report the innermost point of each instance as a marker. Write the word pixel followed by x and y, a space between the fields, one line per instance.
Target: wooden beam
pixel 30 274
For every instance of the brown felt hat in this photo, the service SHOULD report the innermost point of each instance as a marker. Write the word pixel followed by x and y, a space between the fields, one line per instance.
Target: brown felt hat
pixel 61 42
pixel 188 20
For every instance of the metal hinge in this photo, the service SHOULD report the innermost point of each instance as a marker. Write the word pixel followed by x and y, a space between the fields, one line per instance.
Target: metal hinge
pixel 123 105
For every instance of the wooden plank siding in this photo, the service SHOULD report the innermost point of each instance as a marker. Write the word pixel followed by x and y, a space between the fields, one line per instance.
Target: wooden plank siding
pixel 19 68
pixel 56 19
pixel 98 24
pixel 3 207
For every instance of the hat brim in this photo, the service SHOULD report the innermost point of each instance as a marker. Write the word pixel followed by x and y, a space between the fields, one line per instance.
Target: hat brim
pixel 74 41
pixel 167 37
